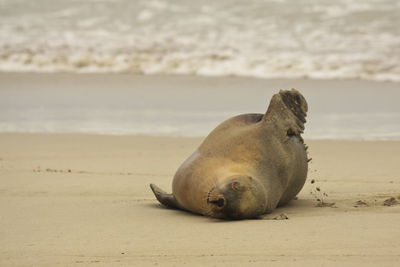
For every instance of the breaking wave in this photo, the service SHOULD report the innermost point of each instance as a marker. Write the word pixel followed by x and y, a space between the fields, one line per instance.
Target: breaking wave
pixel 268 39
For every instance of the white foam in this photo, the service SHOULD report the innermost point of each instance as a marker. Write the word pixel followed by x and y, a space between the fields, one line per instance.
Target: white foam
pixel 268 39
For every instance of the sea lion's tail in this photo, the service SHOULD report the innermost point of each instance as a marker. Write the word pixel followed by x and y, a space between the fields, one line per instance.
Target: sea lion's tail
pixel 288 109
pixel 166 199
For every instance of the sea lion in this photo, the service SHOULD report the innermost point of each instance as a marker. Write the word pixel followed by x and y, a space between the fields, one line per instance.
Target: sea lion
pixel 247 166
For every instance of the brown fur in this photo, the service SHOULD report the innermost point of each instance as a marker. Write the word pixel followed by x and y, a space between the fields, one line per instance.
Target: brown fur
pixel 247 166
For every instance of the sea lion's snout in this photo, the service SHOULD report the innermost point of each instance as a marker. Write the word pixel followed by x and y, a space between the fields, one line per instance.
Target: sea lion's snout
pixel 220 202
pixel 216 199
pixel 236 198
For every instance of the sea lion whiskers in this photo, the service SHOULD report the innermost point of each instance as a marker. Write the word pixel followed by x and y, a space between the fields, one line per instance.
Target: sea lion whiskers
pixel 207 186
pixel 206 201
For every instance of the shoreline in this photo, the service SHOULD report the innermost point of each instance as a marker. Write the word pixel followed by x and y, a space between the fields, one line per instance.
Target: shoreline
pixel 190 76
pixel 183 75
pixel 128 135
pixel 189 105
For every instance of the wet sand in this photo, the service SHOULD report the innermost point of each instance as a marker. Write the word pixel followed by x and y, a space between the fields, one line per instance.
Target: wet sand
pixel 73 199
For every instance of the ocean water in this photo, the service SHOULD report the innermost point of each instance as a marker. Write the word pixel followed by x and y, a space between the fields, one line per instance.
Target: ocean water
pixel 189 105
pixel 264 38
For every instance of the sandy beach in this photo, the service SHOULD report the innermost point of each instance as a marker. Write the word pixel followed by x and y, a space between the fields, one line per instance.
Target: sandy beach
pixel 98 99
pixel 74 199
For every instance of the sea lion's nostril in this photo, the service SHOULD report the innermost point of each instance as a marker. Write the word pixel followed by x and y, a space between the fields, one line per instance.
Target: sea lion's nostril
pixel 219 202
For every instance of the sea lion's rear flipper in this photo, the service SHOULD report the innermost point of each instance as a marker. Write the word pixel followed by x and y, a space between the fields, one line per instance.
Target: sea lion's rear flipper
pixel 287 110
pixel 166 199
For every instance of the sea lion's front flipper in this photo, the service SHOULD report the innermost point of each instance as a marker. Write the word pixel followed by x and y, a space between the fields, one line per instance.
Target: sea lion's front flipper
pixel 166 199
pixel 287 110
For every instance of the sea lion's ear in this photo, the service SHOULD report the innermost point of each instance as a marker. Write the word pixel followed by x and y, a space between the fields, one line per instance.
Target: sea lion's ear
pixel 166 199
pixel 287 110
pixel 236 185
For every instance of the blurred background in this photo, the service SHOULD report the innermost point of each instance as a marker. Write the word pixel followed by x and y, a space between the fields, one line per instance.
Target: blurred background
pixel 263 38
pixel 267 39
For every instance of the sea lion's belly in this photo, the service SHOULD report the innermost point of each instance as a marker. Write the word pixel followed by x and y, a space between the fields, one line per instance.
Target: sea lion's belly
pixel 298 168
pixel 282 168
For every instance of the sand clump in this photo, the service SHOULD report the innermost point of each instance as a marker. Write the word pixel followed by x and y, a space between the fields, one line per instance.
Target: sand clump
pixel 281 216
pixel 320 196
pixel 361 203
pixel 390 202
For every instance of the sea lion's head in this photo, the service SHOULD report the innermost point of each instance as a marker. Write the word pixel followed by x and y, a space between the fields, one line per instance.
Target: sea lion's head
pixel 237 197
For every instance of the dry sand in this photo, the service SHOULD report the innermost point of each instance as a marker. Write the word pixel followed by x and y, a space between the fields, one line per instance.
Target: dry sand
pixel 84 200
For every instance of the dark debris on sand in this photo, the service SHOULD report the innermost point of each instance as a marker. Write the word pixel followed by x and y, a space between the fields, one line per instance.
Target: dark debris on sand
pixel 281 216
pixel 390 202
pixel 360 203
